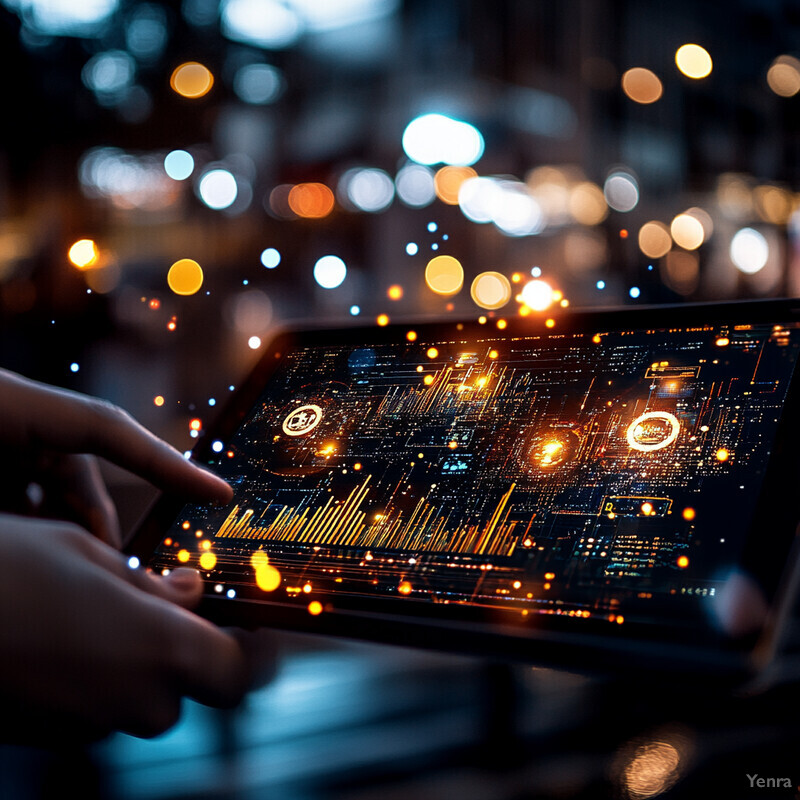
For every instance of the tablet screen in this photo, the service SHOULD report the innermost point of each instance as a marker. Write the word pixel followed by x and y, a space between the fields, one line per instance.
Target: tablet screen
pixel 594 474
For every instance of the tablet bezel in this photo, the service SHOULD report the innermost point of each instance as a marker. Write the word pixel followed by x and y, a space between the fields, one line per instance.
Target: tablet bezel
pixel 550 642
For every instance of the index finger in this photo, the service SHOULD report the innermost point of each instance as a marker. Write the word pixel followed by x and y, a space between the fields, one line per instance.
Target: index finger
pixel 33 414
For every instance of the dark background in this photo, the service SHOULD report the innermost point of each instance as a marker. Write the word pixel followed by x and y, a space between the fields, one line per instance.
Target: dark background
pixel 87 84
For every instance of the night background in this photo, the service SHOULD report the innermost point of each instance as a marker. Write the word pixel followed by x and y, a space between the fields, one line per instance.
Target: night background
pixel 313 157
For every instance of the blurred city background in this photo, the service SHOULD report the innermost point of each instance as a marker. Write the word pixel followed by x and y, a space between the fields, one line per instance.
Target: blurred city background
pixel 178 179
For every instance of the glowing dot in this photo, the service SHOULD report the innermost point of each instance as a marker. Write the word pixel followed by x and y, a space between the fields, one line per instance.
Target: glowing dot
pixel 623 234
pixel 601 285
pixel 596 338
pixel 183 556
pixel 315 608
pixel 205 544
pixel 83 253
pixel 749 250
pixel 428 380
pixel 382 320
pixel 411 336
pixel 311 200
pixel 74 366
pixel 493 354
pixel 208 561
pixel 432 352
pixel 412 248
pixel 550 323
pixel 254 342
pixel 218 189
pixel 689 514
pixel 231 593
pixel 268 579
pixel 394 292
pixel 186 525
pixel 647 508
pixel 620 619
pixel 357 466
pixel 722 454
pixel 185 277
pixel 217 446
pixel 634 292
pixel 491 290
pixel 270 258
pixel 549 576
pixel 501 324
pixel 171 325
pixel 687 231
pixel 355 310
pixel 683 562
pixel 158 400
pixel 448 181
pixel 212 401
pixel 420 455
pixel 537 294
pixel 404 587
pixel 693 61
pixel 330 272
pixel 783 76
pixel 133 562
pixel 655 239
pixel 444 275
pixel 179 165
pixel 723 341
pixel 191 80
pixel 453 444
pixel 517 584
pixel 641 85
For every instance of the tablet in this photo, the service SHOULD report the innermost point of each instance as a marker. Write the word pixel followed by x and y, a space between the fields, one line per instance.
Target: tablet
pixel 602 489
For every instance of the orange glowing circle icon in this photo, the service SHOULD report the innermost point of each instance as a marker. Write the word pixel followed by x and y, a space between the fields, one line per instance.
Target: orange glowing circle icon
pixel 683 562
pixel 404 587
pixel 302 420
pixel 653 430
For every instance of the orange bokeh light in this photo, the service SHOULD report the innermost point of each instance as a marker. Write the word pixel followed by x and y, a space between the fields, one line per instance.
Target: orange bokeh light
pixel 311 200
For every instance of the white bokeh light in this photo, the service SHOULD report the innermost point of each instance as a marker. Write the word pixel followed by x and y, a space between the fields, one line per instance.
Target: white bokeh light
pixel 621 191
pixel 258 84
pixel 438 139
pixel 270 258
pixel 537 295
pixel 370 190
pixel 330 272
pixel 749 250
pixel 415 186
pixel 179 165
pixel 218 189
pixel 263 23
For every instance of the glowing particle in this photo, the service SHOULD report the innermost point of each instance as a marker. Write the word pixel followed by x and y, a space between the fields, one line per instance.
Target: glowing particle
pixel 357 466
pixel 133 562
pixel 191 80
pixel 783 76
pixel 537 294
pixel 404 587
pixel 74 366
pixel 183 556
pixel 693 61
pixel 355 311
pixel 749 250
pixel 419 368
pixel 195 424
pixel 412 248
pixel 620 619
pixel 623 234
pixel 217 446
pixel 268 579
pixel 185 277
pixel 206 544
pixel 493 354
pixel 689 514
pixel 428 380
pixel 647 508
pixel 438 139
pixel 158 400
pixel 311 200
pixel 722 454
pixel 208 561
pixel 517 584
pixel 596 338
pixel 432 227
pixel 502 324
pixel 382 320
pixel 722 341
pixel 601 285
pixel 231 593
pixel 448 181
pixel 444 275
pixel 453 444
pixel 179 165
pixel 270 258
pixel 171 325
pixel 683 562
pixel 642 85
pixel 212 401
pixel 330 272
pixel 83 254
pixel 550 323
pixel 218 189
pixel 432 352
pixel 254 342
pixel 315 608
pixel 687 231
pixel 655 239
pixel 411 336
pixel 634 292
pixel 394 292
pixel 491 290
pixel 549 576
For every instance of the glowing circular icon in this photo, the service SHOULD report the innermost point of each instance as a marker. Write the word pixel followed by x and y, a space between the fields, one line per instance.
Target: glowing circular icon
pixel 653 430
pixel 302 420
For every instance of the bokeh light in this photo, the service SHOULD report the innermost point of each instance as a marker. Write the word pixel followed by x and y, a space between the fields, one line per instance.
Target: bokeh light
pixel 262 23
pixel 687 231
pixel 749 250
pixel 370 190
pixel 395 292
pixel 537 294
pixel 444 275
pixel 66 17
pixel 185 277
pixel 621 191
pixel 218 189
pixel 179 165
pixel 414 186
pixel 642 85
pixel 438 139
pixel 254 342
pixel 311 200
pixel 83 253
pixel 270 258
pixel 655 239
pixel 258 84
pixel 491 290
pixel 783 76
pixel 448 181
pixel 587 204
pixel 693 61
pixel 330 272
pixel 192 80
pixel 109 74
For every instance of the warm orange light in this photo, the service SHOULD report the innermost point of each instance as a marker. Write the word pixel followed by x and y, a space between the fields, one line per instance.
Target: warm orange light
pixel 428 380
pixel 549 576
pixel 623 234
pixel 517 584
pixel 447 181
pixel 357 466
pixel 647 508
pixel 183 556
pixel 307 588
pixel 382 320
pixel 208 560
pixel 268 579
pixel 444 275
pixel 404 587
pixel 191 80
pixel 516 277
pixel 195 424
pixel 432 352
pixel 722 454
pixel 493 354
pixel 642 85
pixel 411 336
pixel 689 514
pixel 155 304
pixel 693 61
pixel 596 338
pixel 620 619
pixel 395 292
pixel 186 525
pixel 315 608
pixel 158 400
pixel 452 444
pixel 501 324
pixel 185 277
pixel 481 320
pixel 683 562
pixel 550 323
pixel 723 341
pixel 171 325
pixel 311 200
pixel 83 254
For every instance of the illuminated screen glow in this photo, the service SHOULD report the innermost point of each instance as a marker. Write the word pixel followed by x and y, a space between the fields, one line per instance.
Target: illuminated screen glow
pixel 575 474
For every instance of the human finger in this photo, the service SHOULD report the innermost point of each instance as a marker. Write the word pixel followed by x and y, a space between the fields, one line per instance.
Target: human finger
pixel 33 414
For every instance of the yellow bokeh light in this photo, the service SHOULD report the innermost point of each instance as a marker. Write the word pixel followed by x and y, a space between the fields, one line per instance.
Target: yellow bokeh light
pixel 404 587
pixel 315 608
pixel 411 336
pixel 158 400
pixel 491 290
pixel 432 352
pixel 722 454
pixel 428 380
pixel 183 556
pixel 357 466
pixel 783 76
pixel 395 292
pixel 382 320
pixel 502 324
pixel 185 277
pixel 587 204
pixel 689 513
pixel 444 275
pixel 687 231
pixel 693 61
pixel 311 200
pixel 452 444
pixel 722 341
pixel 493 354
pixel 208 560
pixel 647 508
pixel 550 323
pixel 195 424
pixel 655 239
pixel 642 85
pixel 83 254
pixel 191 80
pixel 268 579
pixel 447 181
pixel 683 562
pixel 773 204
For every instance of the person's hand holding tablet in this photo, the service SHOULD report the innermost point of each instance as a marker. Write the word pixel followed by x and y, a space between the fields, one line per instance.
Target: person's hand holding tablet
pixel 90 645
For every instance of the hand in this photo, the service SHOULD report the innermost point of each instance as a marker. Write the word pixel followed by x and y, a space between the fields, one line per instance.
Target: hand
pixel 48 439
pixel 90 645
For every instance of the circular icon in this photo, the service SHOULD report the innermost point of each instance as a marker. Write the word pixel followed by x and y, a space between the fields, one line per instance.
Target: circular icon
pixel 653 430
pixel 302 420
